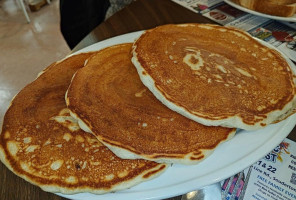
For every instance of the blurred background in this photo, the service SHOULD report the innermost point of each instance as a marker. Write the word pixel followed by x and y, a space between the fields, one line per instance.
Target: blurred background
pixel 24 45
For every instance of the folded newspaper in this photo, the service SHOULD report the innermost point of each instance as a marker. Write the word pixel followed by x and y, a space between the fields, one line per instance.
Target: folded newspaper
pixel 281 34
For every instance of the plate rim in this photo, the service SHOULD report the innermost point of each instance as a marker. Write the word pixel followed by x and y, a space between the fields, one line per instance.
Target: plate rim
pixel 274 17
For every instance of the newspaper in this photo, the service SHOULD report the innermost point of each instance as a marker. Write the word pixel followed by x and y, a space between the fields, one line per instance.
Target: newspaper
pixel 278 33
pixel 198 5
pixel 271 178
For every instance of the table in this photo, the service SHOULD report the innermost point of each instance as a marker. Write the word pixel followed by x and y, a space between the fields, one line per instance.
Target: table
pixel 139 15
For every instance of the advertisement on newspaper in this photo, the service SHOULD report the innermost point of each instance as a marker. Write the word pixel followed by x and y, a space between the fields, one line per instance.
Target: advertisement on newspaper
pixel 198 5
pixel 271 178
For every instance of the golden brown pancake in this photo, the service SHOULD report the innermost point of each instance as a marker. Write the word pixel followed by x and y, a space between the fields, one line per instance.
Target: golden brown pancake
pixel 217 76
pixel 110 101
pixel 43 144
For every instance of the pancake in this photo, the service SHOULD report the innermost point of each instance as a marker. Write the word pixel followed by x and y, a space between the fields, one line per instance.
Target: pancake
pixel 44 145
pixel 217 76
pixel 110 101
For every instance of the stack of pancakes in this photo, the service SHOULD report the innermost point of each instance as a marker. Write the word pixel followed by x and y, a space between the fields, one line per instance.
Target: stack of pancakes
pixel 104 121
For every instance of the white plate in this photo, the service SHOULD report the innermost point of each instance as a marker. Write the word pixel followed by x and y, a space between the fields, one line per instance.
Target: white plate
pixel 228 159
pixel 290 19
